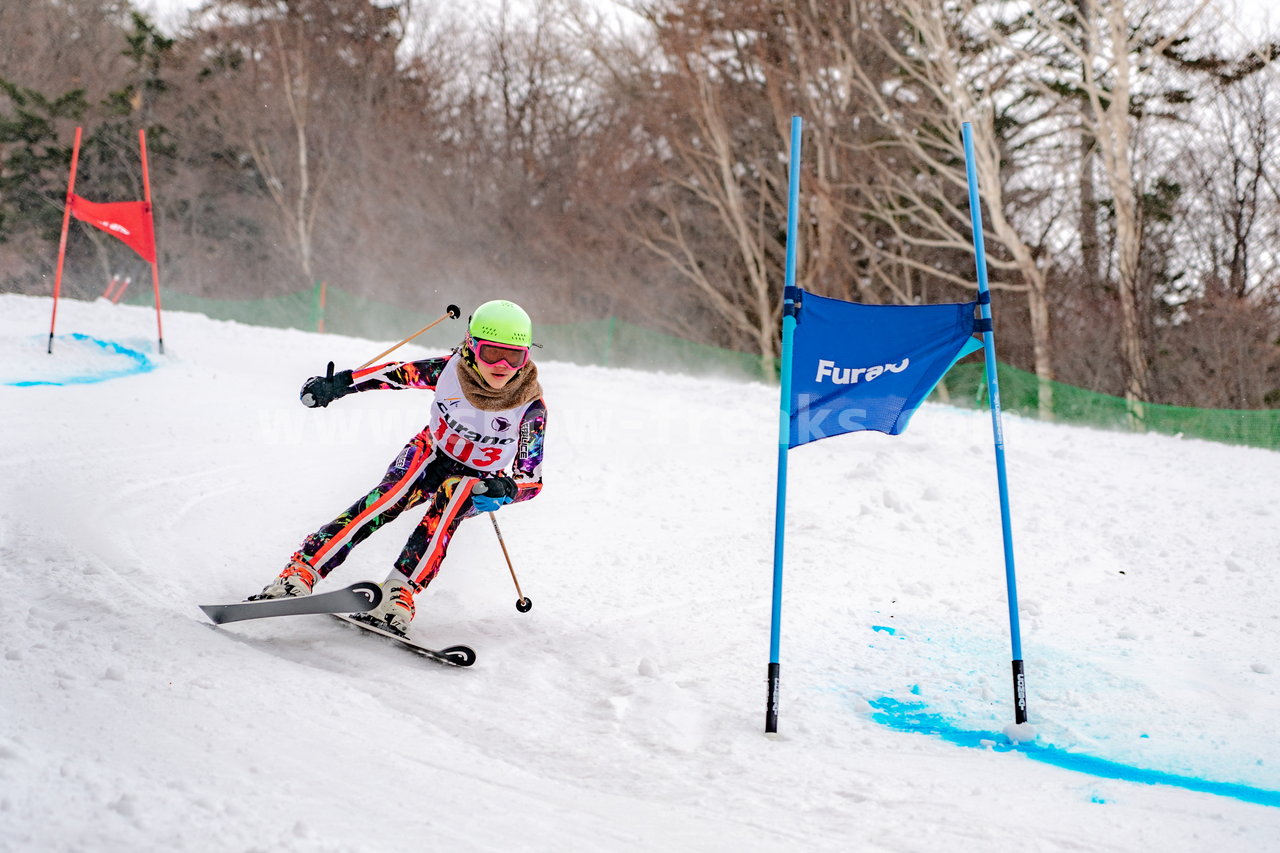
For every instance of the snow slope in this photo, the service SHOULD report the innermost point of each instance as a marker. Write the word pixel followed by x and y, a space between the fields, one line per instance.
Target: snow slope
pixel 626 710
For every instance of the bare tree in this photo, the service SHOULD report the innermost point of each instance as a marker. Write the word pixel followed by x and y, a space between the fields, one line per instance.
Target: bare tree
pixel 950 67
pixel 1221 347
pixel 272 76
pixel 714 108
pixel 715 208
pixel 1111 43
pixel 1232 178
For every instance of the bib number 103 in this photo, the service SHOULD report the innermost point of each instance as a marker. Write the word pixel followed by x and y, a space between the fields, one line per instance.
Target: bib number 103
pixel 464 449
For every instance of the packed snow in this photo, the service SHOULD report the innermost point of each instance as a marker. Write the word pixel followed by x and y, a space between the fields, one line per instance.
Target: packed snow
pixel 625 711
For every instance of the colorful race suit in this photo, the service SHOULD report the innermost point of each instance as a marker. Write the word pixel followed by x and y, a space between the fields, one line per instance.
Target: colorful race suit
pixel 460 445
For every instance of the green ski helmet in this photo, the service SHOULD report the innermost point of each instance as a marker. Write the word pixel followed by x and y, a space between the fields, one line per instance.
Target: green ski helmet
pixel 502 322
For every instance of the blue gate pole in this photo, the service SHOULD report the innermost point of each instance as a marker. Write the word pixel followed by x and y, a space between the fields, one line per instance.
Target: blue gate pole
pixel 790 307
pixel 993 396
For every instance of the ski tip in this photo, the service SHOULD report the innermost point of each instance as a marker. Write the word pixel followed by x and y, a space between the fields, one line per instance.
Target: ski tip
pixel 213 611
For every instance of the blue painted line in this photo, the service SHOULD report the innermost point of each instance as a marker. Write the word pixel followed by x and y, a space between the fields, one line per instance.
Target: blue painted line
pixel 915 717
pixel 137 363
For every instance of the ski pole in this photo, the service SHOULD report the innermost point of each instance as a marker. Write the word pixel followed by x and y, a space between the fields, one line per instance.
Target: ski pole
pixel 523 604
pixel 451 312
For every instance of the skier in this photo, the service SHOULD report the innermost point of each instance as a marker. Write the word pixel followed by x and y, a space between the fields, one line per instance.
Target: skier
pixel 487 418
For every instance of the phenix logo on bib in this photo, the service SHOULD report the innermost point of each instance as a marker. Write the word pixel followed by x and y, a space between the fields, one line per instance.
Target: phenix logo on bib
pixel 849 375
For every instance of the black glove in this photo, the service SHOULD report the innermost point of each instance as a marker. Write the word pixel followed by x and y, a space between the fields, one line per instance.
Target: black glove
pixel 322 390
pixel 499 487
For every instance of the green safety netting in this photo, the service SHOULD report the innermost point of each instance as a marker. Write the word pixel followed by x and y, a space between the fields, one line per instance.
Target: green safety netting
pixel 966 385
pixel 615 343
pixel 608 342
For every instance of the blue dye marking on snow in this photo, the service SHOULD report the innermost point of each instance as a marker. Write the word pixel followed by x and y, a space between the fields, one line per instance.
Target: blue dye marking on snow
pixel 137 363
pixel 915 717
pixel 1096 799
pixel 885 628
pixel 915 688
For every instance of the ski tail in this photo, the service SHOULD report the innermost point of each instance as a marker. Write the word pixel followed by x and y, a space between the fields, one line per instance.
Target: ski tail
pixel 452 656
pixel 357 598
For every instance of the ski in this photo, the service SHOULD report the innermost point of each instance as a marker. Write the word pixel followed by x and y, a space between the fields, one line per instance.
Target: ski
pixel 357 598
pixel 452 656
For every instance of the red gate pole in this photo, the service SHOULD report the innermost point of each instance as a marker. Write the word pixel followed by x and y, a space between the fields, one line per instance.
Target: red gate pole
pixel 62 244
pixel 155 265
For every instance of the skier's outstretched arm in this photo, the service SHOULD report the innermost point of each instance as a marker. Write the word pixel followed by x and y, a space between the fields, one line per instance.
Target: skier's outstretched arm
pixel 398 375
pixel 320 391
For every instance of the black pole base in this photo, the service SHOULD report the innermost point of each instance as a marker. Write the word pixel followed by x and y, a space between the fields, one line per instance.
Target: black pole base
pixel 51 343
pixel 1019 693
pixel 771 710
pixel 162 346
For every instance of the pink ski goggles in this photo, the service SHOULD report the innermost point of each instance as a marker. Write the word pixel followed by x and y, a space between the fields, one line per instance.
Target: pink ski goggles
pixel 493 354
